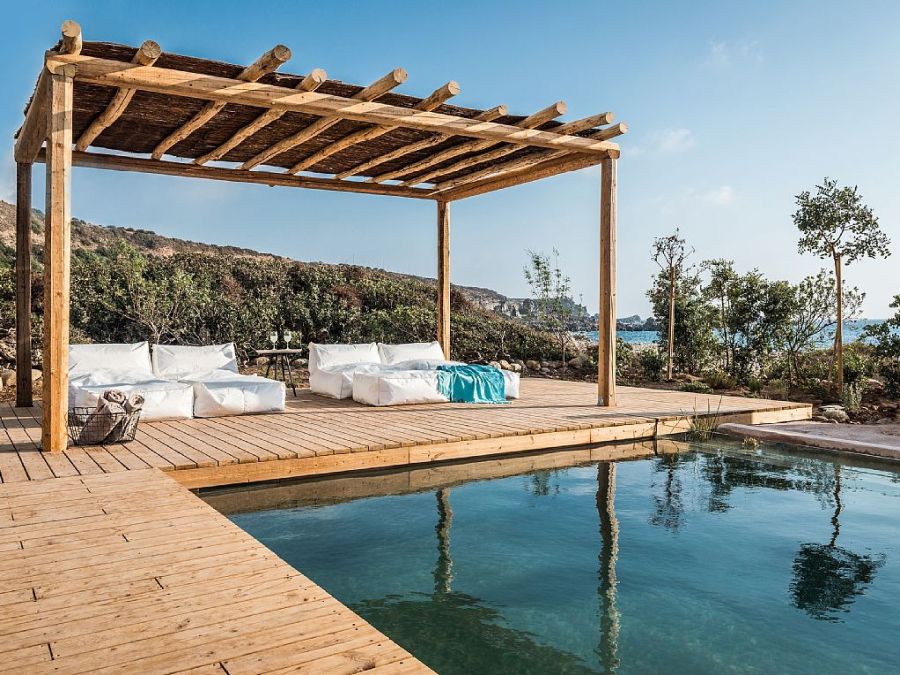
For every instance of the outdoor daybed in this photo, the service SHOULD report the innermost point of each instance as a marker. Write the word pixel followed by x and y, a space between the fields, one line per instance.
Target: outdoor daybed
pixel 382 374
pixel 177 382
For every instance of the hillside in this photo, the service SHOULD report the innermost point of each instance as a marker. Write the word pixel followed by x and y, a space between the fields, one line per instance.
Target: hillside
pixel 89 236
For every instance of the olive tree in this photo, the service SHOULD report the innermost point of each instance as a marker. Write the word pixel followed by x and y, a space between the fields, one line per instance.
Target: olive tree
pixel 671 254
pixel 553 305
pixel 834 223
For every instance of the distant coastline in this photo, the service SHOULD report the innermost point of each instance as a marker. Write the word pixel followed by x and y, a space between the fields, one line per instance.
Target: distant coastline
pixel 852 332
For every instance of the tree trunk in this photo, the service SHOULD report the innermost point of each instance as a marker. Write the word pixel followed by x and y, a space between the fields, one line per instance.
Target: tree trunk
pixel 839 331
pixel 671 354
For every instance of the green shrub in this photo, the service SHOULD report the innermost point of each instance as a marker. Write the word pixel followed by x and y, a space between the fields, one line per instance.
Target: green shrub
pixel 890 373
pixel 696 387
pixel 755 385
pixel 719 379
pixel 652 363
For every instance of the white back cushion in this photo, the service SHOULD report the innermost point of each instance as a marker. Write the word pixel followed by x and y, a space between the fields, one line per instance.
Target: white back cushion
pixel 131 362
pixel 173 362
pixel 413 351
pixel 324 356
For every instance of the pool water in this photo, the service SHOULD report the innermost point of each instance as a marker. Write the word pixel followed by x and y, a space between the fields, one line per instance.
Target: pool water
pixel 714 560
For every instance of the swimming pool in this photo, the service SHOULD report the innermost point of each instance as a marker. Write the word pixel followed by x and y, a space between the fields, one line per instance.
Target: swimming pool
pixel 714 559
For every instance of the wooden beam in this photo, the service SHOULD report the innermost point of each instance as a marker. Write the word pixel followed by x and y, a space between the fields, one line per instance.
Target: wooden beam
pixel 503 150
pixel 424 144
pixel 33 131
pixel 265 64
pixel 530 122
pixel 109 73
pixel 24 396
pixel 393 79
pixel 97 160
pixel 606 357
pixel 57 245
pixel 71 38
pixel 443 276
pixel 571 162
pixel 524 162
pixel 311 82
pixel 146 55
pixel 437 98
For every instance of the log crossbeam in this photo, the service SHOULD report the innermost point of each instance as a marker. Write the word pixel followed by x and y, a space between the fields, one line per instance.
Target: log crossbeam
pixel 393 79
pixel 424 144
pixel 109 73
pixel 530 122
pixel 311 82
pixel 265 64
pixel 437 98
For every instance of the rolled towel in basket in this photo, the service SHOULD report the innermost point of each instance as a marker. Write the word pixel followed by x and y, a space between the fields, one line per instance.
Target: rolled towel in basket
pixel 126 428
pixel 117 396
pixel 103 420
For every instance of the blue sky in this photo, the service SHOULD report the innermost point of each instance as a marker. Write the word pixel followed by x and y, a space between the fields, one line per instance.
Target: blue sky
pixel 733 108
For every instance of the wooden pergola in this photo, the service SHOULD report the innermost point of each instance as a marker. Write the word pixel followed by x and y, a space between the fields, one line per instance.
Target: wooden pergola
pixel 183 116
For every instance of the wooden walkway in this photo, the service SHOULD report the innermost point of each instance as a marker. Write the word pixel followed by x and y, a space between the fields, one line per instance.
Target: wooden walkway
pixel 132 573
pixel 321 436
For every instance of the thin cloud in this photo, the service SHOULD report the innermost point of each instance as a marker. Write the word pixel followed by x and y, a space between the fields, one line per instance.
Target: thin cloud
pixel 665 142
pixel 691 199
pixel 723 55
pixel 720 196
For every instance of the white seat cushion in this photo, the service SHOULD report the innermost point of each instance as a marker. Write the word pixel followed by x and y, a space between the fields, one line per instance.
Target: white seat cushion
pixel 511 380
pixel 328 356
pixel 223 392
pixel 395 354
pixel 163 400
pixel 113 362
pixel 180 362
pixel 337 381
pixel 397 387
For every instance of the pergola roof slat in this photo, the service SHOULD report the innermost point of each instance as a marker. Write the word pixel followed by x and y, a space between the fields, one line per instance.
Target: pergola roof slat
pixel 437 98
pixel 504 150
pixel 265 64
pixel 142 102
pixel 393 79
pixel 535 120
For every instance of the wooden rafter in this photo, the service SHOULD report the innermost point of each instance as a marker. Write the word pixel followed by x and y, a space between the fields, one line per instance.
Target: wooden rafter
pixel 571 162
pixel 98 160
pixel 110 73
pixel 424 144
pixel 311 82
pixel 33 132
pixel 71 37
pixel 146 55
pixel 437 98
pixel 530 122
pixel 265 64
pixel 523 162
pixel 393 79
pixel 504 150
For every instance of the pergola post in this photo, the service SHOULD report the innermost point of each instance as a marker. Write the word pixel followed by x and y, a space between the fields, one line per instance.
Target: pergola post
pixel 443 276
pixel 24 394
pixel 606 363
pixel 57 244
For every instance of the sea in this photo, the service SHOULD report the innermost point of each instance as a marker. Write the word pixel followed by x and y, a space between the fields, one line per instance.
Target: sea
pixel 852 332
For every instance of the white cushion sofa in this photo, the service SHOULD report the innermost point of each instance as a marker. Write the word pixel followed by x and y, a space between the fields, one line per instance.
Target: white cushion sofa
pixel 96 368
pixel 176 383
pixel 382 374
pixel 218 388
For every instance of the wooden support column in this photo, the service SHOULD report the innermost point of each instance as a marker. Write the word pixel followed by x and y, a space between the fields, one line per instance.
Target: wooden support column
pixel 24 396
pixel 443 276
pixel 606 363
pixel 57 244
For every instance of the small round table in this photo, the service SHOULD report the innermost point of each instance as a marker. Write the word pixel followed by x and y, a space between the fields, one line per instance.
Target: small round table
pixel 280 360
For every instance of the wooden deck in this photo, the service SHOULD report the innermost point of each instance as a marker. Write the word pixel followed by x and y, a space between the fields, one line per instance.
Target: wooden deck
pixel 109 565
pixel 320 436
pixel 132 573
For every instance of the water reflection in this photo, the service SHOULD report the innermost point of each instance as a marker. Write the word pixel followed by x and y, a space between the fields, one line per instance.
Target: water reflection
pixel 827 577
pixel 668 509
pixel 608 651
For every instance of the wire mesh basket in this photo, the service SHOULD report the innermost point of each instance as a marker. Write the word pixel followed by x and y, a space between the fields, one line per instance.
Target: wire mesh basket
pixel 90 426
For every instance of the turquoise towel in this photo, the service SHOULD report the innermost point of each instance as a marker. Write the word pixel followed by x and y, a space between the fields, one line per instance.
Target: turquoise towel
pixel 472 384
